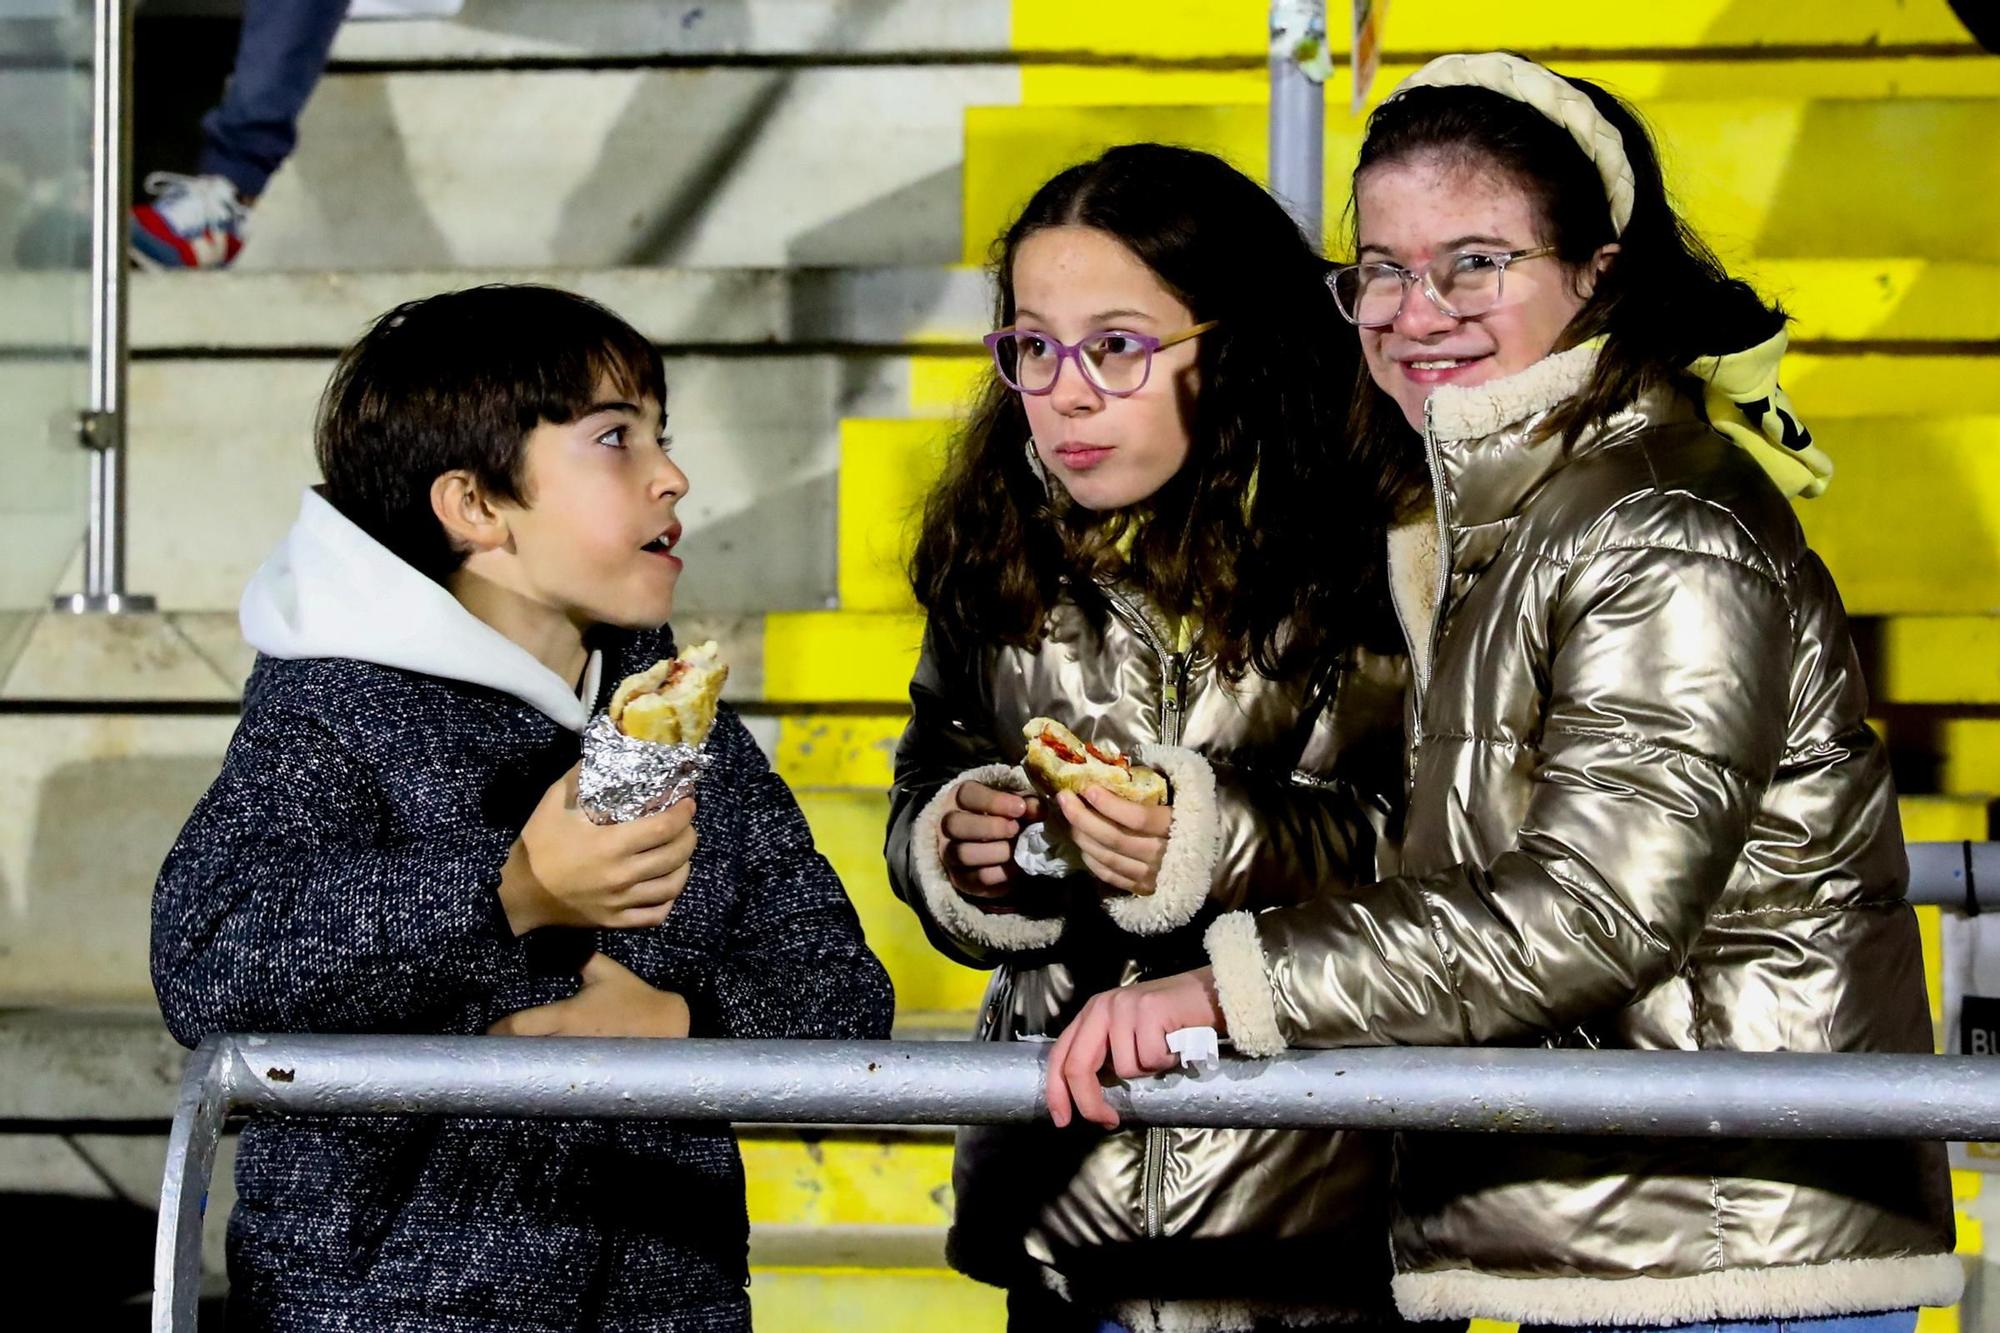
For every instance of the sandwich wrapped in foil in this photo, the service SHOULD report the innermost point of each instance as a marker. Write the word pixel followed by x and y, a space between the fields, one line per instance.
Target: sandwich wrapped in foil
pixel 625 779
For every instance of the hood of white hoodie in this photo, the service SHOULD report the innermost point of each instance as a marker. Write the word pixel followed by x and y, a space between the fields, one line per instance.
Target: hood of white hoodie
pixel 331 590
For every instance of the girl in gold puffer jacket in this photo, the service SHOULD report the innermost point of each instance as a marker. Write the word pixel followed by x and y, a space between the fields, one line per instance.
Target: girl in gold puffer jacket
pixel 1645 807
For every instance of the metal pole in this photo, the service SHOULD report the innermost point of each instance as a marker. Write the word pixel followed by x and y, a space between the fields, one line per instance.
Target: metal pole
pixel 1729 1094
pixel 1965 875
pixel 1298 116
pixel 1699 1093
pixel 206 1086
pixel 101 428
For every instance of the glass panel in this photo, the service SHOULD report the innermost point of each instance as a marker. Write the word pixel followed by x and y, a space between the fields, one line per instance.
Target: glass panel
pixel 44 300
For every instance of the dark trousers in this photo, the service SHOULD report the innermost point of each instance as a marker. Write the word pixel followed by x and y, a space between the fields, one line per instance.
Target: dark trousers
pixel 279 60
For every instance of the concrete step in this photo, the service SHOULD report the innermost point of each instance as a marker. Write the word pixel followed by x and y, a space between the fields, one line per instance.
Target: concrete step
pixel 1906 491
pixel 1190 28
pixel 818 657
pixel 758 434
pixel 1762 178
pixel 1185 30
pixel 886 469
pixel 1867 300
pixel 1897 378
pixel 595 167
pixel 849 826
pixel 245 312
pixel 1911 524
pixel 1720 74
pixel 898 1301
pixel 510 160
pixel 937 307
pixel 141 752
pixel 524 31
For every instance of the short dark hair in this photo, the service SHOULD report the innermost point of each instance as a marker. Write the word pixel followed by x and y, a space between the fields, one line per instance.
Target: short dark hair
pixel 1664 300
pixel 459 381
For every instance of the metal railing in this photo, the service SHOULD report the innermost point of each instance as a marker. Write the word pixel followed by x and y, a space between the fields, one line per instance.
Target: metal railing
pixel 1298 116
pixel 102 426
pixel 1715 1094
pixel 1711 1094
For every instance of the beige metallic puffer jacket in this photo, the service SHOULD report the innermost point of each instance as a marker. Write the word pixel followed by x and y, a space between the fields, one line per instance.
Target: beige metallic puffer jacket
pixel 1273 803
pixel 1646 812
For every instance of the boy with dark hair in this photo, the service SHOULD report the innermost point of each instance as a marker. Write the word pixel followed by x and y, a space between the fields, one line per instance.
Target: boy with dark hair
pixel 394 846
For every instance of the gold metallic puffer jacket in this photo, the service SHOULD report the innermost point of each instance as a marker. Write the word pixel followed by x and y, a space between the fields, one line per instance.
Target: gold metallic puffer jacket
pixel 1274 802
pixel 1646 812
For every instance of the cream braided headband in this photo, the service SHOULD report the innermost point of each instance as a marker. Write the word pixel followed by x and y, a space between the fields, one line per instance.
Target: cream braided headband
pixel 1553 96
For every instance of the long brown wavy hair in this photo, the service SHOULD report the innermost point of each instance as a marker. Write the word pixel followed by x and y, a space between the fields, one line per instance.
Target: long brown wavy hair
pixel 1665 298
pixel 1270 535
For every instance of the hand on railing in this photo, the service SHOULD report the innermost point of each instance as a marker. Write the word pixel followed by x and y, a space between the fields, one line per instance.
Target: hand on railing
pixel 1127 1029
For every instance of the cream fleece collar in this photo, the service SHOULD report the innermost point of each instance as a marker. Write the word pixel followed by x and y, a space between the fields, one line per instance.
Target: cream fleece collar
pixel 1473 413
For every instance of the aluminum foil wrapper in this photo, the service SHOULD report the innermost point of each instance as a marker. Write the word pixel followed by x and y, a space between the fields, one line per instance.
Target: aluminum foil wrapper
pixel 624 779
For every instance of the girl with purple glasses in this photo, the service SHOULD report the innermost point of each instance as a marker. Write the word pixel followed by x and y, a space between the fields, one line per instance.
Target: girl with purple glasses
pixel 1154 530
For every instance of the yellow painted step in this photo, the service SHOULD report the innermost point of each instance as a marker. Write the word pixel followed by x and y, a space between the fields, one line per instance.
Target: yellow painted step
pixel 1957 756
pixel 1873 299
pixel 847 656
pixel 1933 659
pixel 886 467
pixel 848 827
pixel 812 1179
pixel 1824 384
pixel 947 386
pixel 838 749
pixel 1771 178
pixel 836 1300
pixel 1687 76
pixel 1911 524
pixel 1182 29
pixel 824 656
pixel 1945 818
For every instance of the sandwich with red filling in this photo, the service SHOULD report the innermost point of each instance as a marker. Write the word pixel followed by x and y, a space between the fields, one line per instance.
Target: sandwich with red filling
pixel 1060 760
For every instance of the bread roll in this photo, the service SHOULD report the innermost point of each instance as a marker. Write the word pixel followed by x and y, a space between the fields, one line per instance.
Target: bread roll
pixel 672 702
pixel 1059 760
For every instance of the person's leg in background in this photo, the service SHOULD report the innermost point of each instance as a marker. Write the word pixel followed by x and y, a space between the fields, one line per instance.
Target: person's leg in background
pixel 199 221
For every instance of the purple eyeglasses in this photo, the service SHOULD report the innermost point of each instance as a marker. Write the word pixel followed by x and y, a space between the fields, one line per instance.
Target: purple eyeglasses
pixel 1116 362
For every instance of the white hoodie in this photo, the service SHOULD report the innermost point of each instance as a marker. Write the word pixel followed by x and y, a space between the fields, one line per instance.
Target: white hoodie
pixel 331 590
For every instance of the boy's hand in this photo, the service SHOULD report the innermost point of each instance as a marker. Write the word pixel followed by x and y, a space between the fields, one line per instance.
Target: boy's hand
pixel 1123 842
pixel 976 838
pixel 566 871
pixel 614 1002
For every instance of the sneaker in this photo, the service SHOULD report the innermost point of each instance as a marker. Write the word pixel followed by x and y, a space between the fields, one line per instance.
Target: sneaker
pixel 193 222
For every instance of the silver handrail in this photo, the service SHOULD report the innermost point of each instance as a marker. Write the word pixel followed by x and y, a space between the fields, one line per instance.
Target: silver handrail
pixel 101 426
pixel 1297 120
pixel 1699 1094
pixel 1965 875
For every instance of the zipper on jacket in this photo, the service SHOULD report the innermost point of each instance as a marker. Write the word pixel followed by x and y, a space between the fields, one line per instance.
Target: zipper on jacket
pixel 1172 666
pixel 1170 698
pixel 1443 586
pixel 1155 1178
pixel 1173 674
